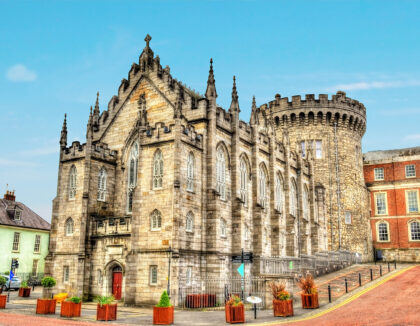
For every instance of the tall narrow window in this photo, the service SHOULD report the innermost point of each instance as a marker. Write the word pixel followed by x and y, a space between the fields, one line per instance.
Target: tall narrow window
pixel 412 201
pixel 244 181
pixel 37 245
pixel 380 203
pixel 223 227
pixel 383 234
pixel 279 193
pixel 302 146
pixel 153 277
pixel 190 172
pixel 189 224
pixel 132 175
pixel 16 241
pixel 305 204
pixel 102 184
pixel 157 170
pixel 293 198
pixel 188 276
pixel 221 173
pixel 69 226
pixel 263 186
pixel 66 274
pixel 318 149
pixel 379 174
pixel 18 212
pixel 34 266
pixel 72 182
pixel 156 220
pixel 347 217
pixel 414 231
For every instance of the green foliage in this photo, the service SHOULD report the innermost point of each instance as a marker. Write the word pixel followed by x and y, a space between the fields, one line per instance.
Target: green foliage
pixel 74 299
pixel 164 301
pixel 48 282
pixel 24 284
pixel 2 281
pixel 102 299
pixel 234 301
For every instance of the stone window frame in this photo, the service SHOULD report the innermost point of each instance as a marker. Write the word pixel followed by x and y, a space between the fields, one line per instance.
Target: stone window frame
pixel 37 244
pixel 386 202
pixel 293 193
pixel 379 176
pixel 409 225
pixel 190 171
pixel 133 162
pixel 246 232
pixel 407 201
pixel 347 220
pixel 243 168
pixel 69 227
pixel 413 171
pixel 66 274
pixel 221 168
pixel 153 275
pixel 263 185
pixel 318 149
pixel 377 224
pixel 158 170
pixel 156 220
pixel 16 242
pixel 72 182
pixel 279 192
pixel 102 183
pixel 189 222
pixel 223 227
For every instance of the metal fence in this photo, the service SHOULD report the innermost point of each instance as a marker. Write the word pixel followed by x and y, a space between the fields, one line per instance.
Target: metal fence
pixel 32 279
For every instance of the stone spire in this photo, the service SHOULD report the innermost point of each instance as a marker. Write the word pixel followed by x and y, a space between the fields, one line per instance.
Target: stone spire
pixel 211 83
pixel 89 129
pixel 146 57
pixel 63 137
pixel 234 105
pixel 254 113
pixel 96 114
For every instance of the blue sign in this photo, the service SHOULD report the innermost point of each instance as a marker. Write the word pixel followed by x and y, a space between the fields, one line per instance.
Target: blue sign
pixel 11 275
pixel 241 270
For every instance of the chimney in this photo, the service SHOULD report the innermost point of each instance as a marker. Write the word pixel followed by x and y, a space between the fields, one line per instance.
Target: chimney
pixel 10 195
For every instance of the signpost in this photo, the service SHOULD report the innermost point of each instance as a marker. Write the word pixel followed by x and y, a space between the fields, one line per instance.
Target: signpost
pixel 244 257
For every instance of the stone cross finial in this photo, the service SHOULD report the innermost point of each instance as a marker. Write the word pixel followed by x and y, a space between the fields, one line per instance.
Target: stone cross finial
pixel 147 39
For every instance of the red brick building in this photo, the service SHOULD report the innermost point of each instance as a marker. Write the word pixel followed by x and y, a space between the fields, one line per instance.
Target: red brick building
pixel 393 180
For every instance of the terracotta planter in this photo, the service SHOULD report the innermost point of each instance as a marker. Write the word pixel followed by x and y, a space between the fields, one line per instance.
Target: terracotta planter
pixel 3 299
pixel 235 315
pixel 106 312
pixel 70 309
pixel 45 306
pixel 163 315
pixel 24 292
pixel 283 308
pixel 309 301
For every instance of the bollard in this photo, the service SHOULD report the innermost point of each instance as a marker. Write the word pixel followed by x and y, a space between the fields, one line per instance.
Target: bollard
pixel 371 274
pixel 380 270
pixel 395 264
pixel 329 293
pixel 345 281
pixel 389 269
pixel 360 279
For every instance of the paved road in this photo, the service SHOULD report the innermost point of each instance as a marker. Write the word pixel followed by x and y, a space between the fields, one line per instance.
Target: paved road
pixel 395 302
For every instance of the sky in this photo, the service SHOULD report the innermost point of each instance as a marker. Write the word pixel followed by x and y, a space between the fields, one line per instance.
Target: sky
pixel 55 56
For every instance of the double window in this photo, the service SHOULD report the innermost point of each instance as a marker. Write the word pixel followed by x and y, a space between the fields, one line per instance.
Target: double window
pixel 378 174
pixel 69 226
pixel 156 220
pixel 157 170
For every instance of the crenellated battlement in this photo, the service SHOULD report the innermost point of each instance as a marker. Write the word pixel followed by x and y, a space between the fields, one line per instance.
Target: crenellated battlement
pixel 98 150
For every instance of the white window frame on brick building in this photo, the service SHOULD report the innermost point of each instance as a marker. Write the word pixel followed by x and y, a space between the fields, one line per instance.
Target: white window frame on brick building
pixel 16 242
pixel 155 220
pixel 102 179
pixel 244 181
pixel 66 274
pixel 412 201
pixel 153 275
pixel 318 149
pixel 189 223
pixel 221 173
pixel 263 186
pixel 190 172
pixel 133 162
pixel 414 230
pixel 382 230
pixel 410 171
pixel 379 174
pixel 158 169
pixel 37 244
pixel 381 203
pixel 279 199
pixel 69 227
pixel 223 227
pixel 72 182
pixel 293 198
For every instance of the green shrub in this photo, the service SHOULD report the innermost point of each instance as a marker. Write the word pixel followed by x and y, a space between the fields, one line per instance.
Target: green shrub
pixel 2 281
pixel 74 299
pixel 24 284
pixel 164 301
pixel 102 299
pixel 48 282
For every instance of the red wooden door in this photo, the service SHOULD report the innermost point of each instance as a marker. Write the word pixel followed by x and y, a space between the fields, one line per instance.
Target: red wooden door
pixel 116 285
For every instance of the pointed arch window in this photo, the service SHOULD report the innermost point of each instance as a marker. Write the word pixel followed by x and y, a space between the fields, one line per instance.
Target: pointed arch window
pixel 69 226
pixel 293 198
pixel 306 203
pixel 279 193
pixel 263 187
pixel 132 175
pixel 221 173
pixel 190 172
pixel 157 169
pixel 189 224
pixel 72 182
pixel 102 176
pixel 156 220
pixel 244 181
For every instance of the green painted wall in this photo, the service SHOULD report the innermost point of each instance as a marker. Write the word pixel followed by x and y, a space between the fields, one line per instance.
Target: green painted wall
pixel 25 255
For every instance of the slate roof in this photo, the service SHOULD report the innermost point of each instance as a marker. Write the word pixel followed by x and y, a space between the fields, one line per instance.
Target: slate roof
pixel 28 218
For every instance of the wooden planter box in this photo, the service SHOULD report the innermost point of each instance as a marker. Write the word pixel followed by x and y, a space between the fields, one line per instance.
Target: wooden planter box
pixel 24 292
pixel 3 299
pixel 163 315
pixel 283 308
pixel 200 300
pixel 45 306
pixel 309 301
pixel 235 315
pixel 106 312
pixel 70 309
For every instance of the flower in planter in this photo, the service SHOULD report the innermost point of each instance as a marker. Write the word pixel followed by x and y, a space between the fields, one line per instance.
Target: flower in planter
pixel 278 290
pixel 307 284
pixel 74 299
pixel 234 301
pixel 24 285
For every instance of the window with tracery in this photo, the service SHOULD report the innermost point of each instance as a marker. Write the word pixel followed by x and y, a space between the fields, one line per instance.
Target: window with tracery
pixel 190 172
pixel 72 182
pixel 156 220
pixel 279 193
pixel 132 175
pixel 244 181
pixel 69 226
pixel 293 198
pixel 189 225
pixel 263 185
pixel 102 184
pixel 157 170
pixel 221 173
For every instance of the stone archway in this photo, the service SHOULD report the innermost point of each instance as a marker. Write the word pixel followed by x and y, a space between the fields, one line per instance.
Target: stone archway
pixel 115 279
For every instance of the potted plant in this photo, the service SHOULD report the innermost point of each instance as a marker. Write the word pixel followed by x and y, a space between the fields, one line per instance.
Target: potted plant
pixel 2 283
pixel 163 312
pixel 24 290
pixel 46 305
pixel 2 296
pixel 282 304
pixel 234 310
pixel 105 309
pixel 71 307
pixel 309 292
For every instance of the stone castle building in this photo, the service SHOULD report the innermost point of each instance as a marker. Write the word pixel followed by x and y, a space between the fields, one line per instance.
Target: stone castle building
pixel 169 185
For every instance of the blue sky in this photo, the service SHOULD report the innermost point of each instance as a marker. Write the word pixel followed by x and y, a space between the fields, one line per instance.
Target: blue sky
pixel 55 56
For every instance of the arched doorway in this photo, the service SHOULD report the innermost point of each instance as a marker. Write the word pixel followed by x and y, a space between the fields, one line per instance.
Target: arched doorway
pixel 117 282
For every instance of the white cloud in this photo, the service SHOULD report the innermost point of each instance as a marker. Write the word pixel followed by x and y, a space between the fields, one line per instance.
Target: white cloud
pixel 374 85
pixel 19 73
pixel 412 137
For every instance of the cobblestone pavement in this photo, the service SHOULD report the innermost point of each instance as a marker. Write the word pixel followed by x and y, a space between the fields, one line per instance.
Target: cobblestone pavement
pixel 20 311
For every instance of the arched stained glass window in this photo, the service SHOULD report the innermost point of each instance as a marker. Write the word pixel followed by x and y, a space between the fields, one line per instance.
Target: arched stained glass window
pixel 132 175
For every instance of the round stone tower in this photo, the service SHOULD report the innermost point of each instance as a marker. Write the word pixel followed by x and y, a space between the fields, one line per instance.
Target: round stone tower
pixel 329 131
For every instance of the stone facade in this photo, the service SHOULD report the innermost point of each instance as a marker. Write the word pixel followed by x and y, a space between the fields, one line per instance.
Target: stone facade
pixel 187 184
